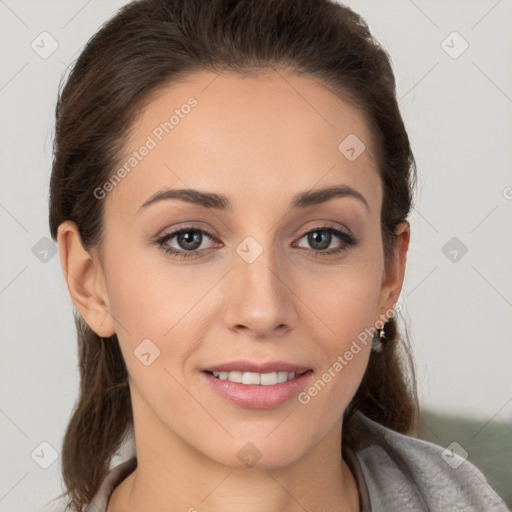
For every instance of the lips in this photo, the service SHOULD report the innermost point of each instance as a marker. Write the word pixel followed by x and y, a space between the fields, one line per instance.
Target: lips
pixel 257 385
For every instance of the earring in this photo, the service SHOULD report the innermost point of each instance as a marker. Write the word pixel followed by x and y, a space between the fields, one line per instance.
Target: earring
pixel 377 344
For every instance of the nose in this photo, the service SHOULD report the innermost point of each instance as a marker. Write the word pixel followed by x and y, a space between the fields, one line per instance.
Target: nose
pixel 259 296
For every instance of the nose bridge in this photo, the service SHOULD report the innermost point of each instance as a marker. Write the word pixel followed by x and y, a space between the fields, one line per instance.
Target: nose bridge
pixel 259 298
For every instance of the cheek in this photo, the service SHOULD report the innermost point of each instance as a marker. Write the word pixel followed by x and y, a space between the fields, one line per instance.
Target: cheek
pixel 345 303
pixel 149 297
pixel 344 300
pixel 352 312
pixel 343 337
pixel 160 302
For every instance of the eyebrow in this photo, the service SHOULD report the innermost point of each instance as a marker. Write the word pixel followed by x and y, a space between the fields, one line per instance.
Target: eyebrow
pixel 221 202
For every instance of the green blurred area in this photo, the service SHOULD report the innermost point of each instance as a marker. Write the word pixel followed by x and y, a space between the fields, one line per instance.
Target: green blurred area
pixel 488 443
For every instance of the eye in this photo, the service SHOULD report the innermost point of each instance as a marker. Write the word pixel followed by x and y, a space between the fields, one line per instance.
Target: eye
pixel 321 238
pixel 189 242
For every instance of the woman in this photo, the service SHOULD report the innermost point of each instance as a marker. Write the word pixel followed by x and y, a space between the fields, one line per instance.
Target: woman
pixel 230 192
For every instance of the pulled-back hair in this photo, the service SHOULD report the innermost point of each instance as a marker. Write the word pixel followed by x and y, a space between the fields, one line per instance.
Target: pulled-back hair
pixel 150 44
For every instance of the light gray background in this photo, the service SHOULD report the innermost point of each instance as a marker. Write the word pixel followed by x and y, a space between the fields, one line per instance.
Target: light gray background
pixel 458 114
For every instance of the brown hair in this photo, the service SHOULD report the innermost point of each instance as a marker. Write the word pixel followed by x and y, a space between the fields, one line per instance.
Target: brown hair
pixel 144 47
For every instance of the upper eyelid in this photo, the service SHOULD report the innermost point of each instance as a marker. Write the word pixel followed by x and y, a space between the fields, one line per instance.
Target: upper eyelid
pixel 171 234
pixel 176 231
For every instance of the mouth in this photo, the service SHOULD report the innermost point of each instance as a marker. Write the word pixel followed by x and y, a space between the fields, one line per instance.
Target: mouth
pixel 256 378
pixel 257 386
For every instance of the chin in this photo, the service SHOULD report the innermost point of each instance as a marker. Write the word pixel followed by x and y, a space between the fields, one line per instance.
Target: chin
pixel 260 453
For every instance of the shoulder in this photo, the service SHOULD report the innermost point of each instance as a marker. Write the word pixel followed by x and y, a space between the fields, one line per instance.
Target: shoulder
pixel 405 473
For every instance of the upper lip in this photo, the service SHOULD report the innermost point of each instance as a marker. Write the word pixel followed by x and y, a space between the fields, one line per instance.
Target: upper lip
pixel 250 366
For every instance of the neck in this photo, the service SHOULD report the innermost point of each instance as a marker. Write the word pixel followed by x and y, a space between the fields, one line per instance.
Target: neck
pixel 173 476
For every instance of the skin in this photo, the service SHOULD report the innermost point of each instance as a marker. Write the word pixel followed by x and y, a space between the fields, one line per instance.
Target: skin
pixel 259 141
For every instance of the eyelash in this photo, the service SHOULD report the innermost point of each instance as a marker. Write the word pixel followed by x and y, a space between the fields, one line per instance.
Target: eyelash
pixel 348 240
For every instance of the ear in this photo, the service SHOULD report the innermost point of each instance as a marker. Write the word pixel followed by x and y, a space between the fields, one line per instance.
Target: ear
pixel 85 280
pixel 393 276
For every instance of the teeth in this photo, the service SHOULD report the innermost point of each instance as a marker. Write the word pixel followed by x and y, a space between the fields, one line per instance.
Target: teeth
pixel 264 379
pixel 282 376
pixel 251 378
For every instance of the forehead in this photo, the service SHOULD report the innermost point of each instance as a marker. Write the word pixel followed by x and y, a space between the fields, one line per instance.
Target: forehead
pixel 246 137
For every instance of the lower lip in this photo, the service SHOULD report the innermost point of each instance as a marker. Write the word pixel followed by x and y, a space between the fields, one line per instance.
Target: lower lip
pixel 255 396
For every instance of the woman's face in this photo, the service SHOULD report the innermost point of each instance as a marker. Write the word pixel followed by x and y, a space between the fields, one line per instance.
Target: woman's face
pixel 282 282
